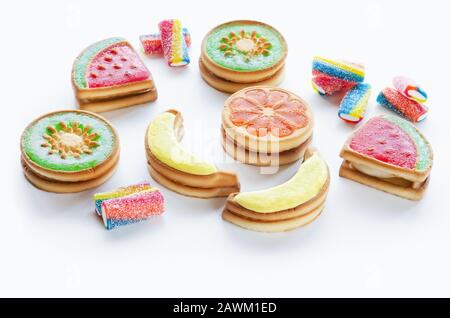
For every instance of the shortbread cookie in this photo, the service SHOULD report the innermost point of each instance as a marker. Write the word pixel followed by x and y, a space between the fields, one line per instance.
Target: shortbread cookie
pixel 243 52
pixel 111 71
pixel 101 106
pixel 246 156
pixel 69 147
pixel 49 185
pixel 267 120
pixel 287 206
pixel 175 168
pixel 232 87
pixel 272 226
pixel 390 154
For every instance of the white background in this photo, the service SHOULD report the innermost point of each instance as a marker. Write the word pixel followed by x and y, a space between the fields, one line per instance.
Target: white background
pixel 366 243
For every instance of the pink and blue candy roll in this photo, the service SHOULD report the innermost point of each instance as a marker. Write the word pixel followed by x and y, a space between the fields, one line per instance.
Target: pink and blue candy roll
pixel 353 105
pixel 132 208
pixel 410 89
pixel 173 43
pixel 402 105
pixel 120 192
pixel 328 85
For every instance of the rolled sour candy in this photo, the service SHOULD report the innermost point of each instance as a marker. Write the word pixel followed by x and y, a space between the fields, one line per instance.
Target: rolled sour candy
pixel 402 105
pixel 131 208
pixel 331 76
pixel 173 43
pixel 353 105
pixel 410 89
pixel 117 193
pixel 151 43
pixel 328 85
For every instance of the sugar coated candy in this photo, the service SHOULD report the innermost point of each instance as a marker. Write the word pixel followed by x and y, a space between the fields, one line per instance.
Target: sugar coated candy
pixel 402 105
pixel 331 76
pixel 173 43
pixel 128 205
pixel 353 105
pixel 410 89
pixel 151 43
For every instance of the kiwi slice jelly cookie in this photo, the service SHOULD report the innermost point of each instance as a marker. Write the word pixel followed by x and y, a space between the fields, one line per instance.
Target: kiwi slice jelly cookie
pixel 69 141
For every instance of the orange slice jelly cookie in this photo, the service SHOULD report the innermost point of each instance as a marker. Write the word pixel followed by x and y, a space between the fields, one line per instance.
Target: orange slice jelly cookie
pixel 265 125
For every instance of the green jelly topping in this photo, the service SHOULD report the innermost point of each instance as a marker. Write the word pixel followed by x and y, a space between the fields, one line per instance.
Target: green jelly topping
pixel 86 57
pixel 423 151
pixel 100 133
pixel 230 57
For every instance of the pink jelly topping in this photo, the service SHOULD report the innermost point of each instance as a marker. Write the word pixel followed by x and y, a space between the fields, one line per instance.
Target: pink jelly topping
pixel 382 140
pixel 116 65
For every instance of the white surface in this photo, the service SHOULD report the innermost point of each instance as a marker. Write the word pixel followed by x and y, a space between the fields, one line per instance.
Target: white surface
pixel 366 243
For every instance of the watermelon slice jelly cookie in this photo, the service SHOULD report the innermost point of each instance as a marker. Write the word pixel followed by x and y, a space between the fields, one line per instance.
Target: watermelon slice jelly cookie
pixel 390 154
pixel 109 75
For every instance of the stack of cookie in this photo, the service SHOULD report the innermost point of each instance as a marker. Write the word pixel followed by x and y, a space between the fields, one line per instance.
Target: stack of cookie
pixel 243 53
pixel 390 154
pixel 266 126
pixel 172 166
pixel 287 206
pixel 69 151
pixel 109 75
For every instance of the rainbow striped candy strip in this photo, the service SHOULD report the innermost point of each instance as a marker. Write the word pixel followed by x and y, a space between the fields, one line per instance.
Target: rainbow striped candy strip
pixel 132 208
pixel 129 205
pixel 173 43
pixel 339 69
pixel 328 85
pixel 118 193
pixel 353 105
pixel 410 89
pixel 151 43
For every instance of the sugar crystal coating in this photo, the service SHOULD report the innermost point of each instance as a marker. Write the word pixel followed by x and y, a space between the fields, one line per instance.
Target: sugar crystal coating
pixel 119 192
pixel 353 105
pixel 151 43
pixel 331 76
pixel 402 105
pixel 173 43
pixel 410 89
pixel 129 205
